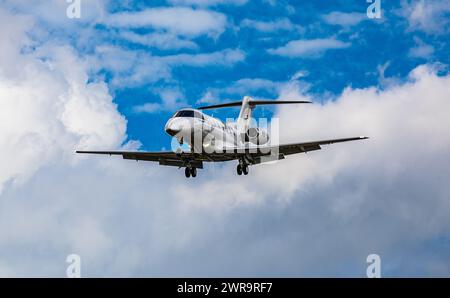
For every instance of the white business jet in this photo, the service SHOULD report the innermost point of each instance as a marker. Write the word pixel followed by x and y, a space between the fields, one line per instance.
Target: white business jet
pixel 210 140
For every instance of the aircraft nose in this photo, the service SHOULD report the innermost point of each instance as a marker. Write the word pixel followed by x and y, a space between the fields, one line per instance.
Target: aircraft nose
pixel 173 127
pixel 172 132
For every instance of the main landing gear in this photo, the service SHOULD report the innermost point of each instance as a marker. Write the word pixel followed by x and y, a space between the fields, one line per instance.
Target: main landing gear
pixel 188 172
pixel 242 169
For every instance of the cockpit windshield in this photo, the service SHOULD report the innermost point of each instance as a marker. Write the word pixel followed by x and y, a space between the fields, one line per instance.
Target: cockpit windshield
pixel 188 113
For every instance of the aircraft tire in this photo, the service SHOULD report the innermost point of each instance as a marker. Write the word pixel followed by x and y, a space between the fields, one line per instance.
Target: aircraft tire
pixel 194 172
pixel 239 170
pixel 187 172
pixel 245 170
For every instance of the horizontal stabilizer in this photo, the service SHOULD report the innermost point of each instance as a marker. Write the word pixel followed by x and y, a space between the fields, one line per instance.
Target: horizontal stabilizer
pixel 254 103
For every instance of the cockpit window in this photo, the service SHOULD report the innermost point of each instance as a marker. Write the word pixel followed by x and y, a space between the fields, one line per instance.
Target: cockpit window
pixel 188 113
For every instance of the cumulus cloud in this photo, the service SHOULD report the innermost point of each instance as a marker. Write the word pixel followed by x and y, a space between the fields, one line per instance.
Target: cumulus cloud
pixel 308 48
pixel 373 196
pixel 373 112
pixel 176 20
pixel 427 16
pixel 318 214
pixel 310 215
pixel 58 87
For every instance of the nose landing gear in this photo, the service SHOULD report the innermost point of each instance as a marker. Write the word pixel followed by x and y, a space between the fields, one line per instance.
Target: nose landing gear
pixel 242 169
pixel 188 172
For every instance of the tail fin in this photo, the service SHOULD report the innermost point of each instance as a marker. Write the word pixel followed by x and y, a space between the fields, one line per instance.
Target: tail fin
pixel 247 105
pixel 245 115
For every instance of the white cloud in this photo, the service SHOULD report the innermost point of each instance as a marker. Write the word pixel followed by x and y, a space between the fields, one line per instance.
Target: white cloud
pixel 308 48
pixel 13 37
pixel 176 20
pixel 164 41
pixel 42 103
pixel 290 9
pixel 272 26
pixel 370 193
pixel 53 12
pixel 250 86
pixel 227 57
pixel 344 19
pixel 383 80
pixel 172 98
pixel 240 88
pixel 421 50
pixel 150 107
pixel 355 198
pixel 428 16
pixel 318 214
pixel 134 68
pixel 208 97
pixel 130 68
pixel 400 115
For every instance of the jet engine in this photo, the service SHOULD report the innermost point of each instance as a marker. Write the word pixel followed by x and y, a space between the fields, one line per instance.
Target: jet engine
pixel 257 136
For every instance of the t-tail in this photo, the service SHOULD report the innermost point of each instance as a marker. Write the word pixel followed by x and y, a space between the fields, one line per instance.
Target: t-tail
pixel 247 105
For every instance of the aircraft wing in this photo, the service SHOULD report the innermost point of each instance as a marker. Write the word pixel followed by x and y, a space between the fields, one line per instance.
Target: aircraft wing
pixel 294 148
pixel 261 154
pixel 255 153
pixel 166 158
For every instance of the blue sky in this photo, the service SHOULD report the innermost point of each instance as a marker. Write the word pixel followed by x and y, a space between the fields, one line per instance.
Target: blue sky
pixel 370 45
pixel 111 79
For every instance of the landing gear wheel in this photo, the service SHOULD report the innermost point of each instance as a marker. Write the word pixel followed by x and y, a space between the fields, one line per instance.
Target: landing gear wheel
pixel 187 172
pixel 245 170
pixel 194 172
pixel 239 170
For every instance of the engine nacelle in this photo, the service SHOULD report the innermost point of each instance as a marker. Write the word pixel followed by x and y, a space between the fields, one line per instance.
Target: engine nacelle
pixel 257 136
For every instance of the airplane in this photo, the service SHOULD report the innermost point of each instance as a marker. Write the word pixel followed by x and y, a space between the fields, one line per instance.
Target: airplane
pixel 210 140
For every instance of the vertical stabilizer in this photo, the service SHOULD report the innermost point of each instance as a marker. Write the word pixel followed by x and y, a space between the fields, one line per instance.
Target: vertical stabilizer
pixel 245 116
